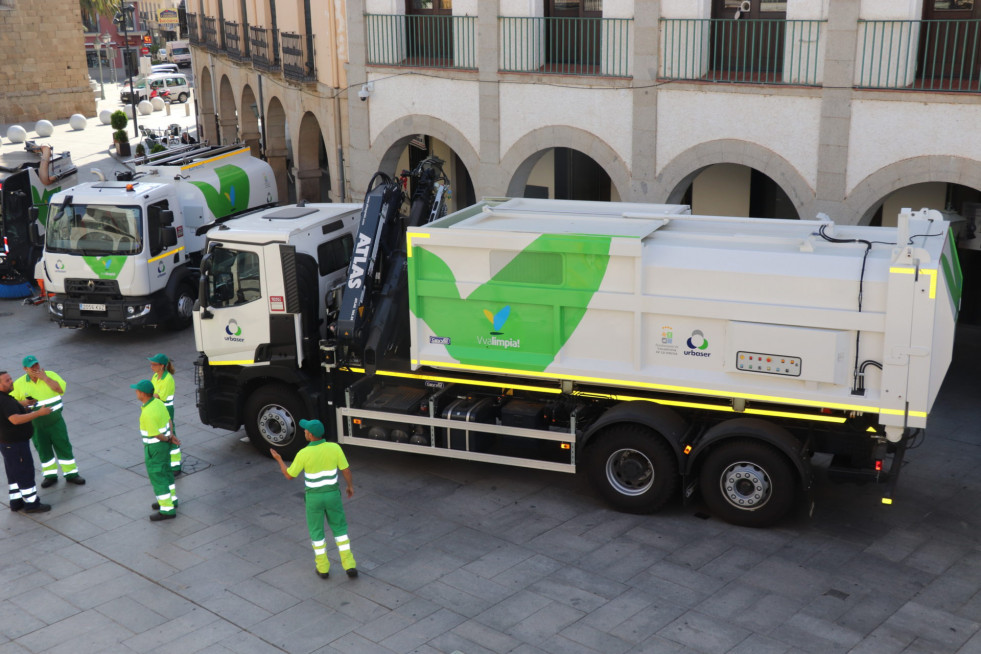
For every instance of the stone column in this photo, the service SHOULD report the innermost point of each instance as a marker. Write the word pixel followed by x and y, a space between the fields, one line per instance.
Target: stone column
pixel 308 184
pixel 229 129
pixel 276 157
pixel 643 160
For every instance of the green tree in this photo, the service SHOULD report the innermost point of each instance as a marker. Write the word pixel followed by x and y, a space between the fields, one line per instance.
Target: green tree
pixel 107 8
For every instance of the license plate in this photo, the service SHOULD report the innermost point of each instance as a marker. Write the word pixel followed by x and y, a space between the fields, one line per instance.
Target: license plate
pixel 92 307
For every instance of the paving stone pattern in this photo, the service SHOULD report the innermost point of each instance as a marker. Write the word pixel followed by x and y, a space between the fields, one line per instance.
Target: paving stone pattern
pixel 464 557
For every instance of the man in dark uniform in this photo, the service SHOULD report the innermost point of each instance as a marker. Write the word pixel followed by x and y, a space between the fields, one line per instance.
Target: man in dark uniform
pixel 15 439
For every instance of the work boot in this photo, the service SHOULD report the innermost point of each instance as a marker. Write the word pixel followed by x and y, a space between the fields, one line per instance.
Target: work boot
pixel 36 507
pixel 49 482
pixel 323 575
pixel 78 480
pixel 156 517
pixel 16 505
pixel 352 572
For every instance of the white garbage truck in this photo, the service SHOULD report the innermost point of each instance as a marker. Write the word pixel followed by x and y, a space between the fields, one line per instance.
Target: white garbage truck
pixel 657 352
pixel 125 253
pixel 28 179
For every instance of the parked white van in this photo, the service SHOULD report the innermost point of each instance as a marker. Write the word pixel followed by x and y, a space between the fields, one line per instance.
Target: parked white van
pixel 177 87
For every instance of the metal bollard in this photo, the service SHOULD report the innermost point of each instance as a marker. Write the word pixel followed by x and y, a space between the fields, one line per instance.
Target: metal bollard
pixel 167 106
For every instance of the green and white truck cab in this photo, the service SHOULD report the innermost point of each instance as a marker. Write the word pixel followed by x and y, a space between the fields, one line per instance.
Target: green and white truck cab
pixel 123 254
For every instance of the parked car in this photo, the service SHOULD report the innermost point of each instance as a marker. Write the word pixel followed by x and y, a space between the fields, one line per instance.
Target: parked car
pixel 177 86
pixel 164 68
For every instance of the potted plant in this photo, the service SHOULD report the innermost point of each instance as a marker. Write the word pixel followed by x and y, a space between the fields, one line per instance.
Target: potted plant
pixel 119 138
pixel 140 150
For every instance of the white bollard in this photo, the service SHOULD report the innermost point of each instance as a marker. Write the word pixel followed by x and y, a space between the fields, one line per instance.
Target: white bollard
pixel 158 103
pixel 105 116
pixel 16 134
pixel 78 122
pixel 145 108
pixel 44 128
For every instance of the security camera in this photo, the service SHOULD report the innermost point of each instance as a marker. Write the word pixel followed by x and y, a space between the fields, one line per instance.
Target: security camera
pixel 365 91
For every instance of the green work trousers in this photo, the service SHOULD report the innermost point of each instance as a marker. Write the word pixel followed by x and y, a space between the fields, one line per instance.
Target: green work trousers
pixel 175 450
pixel 52 445
pixel 157 457
pixel 321 504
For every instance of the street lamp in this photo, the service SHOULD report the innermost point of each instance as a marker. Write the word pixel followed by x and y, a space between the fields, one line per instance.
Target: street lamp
pixel 120 20
pixel 101 43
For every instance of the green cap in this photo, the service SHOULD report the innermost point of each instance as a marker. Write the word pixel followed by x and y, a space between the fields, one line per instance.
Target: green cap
pixel 143 386
pixel 315 427
pixel 159 358
pixel 29 361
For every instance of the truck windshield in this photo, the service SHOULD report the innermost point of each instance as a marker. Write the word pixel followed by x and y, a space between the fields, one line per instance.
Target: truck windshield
pixel 180 51
pixel 232 278
pixel 94 229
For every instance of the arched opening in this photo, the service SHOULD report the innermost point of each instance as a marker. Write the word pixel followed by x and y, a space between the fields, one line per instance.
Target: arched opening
pixel 409 151
pixel 961 205
pixel 228 112
pixel 208 127
pixel 277 152
pixel 728 189
pixel 312 168
pixel 562 174
pixel 249 127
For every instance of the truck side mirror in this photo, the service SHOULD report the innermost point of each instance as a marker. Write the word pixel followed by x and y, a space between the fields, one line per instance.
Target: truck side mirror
pixel 166 218
pixel 168 237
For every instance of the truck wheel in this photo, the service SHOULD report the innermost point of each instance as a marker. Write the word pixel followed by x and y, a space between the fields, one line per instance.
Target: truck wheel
pixel 272 420
pixel 747 483
pixel 182 98
pixel 632 468
pixel 182 308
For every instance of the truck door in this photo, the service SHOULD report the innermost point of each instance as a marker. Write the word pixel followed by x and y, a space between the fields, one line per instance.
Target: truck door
pixel 232 319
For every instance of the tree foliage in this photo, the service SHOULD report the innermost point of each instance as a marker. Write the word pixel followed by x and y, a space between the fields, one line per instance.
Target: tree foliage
pixel 107 8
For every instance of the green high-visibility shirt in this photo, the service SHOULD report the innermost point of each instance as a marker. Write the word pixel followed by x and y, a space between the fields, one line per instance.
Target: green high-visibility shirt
pixel 319 462
pixel 154 421
pixel 40 391
pixel 163 386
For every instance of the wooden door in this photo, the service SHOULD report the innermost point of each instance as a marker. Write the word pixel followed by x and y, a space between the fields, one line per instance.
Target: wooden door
pixel 748 40
pixel 950 44
pixel 572 35
pixel 429 32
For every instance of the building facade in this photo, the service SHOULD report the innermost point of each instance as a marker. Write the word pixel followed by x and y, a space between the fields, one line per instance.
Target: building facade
pixel 44 75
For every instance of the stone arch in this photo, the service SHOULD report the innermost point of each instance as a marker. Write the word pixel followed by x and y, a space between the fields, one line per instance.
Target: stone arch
pixel 398 133
pixel 208 129
pixel 249 121
pixel 681 171
pixel 865 198
pixel 276 151
pixel 521 157
pixel 309 165
pixel 227 111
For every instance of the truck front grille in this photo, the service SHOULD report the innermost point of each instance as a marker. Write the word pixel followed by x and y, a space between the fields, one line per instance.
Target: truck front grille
pixel 81 287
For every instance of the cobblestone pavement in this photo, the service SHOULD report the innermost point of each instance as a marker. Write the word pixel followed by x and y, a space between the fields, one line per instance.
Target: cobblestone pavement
pixel 464 557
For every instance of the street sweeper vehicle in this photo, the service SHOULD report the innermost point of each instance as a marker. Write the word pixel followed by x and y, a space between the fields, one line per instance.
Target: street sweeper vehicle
pixel 28 179
pixel 657 352
pixel 125 253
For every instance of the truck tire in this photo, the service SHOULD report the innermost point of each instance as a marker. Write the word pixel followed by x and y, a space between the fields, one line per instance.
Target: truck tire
pixel 272 420
pixel 182 307
pixel 632 468
pixel 748 483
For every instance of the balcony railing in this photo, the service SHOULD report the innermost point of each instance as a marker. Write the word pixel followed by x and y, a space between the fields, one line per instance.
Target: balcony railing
pixel 235 47
pixel 566 46
pixel 265 56
pixel 422 41
pixel 920 55
pixel 209 29
pixel 298 61
pixel 193 35
pixel 746 51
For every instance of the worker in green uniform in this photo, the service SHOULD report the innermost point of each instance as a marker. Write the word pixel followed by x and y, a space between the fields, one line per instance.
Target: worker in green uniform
pixel 157 441
pixel 163 388
pixel 46 388
pixel 319 462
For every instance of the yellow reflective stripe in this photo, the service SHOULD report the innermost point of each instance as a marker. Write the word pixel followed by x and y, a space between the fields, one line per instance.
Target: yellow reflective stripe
pixel 408 241
pixel 165 254
pixel 244 362
pixel 932 272
pixel 217 158
pixel 658 387
pixel 453 380
pixel 887 500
